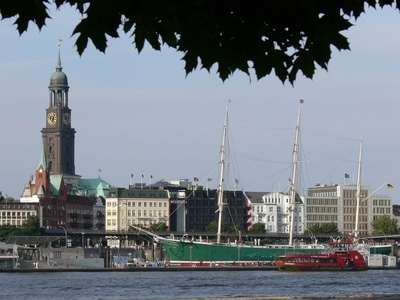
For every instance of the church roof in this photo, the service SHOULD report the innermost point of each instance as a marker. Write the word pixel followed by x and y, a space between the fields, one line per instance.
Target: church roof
pixel 93 186
pixel 59 78
pixel 42 160
pixel 55 183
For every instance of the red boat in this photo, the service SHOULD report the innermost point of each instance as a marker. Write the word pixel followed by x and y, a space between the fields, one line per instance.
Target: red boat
pixel 339 260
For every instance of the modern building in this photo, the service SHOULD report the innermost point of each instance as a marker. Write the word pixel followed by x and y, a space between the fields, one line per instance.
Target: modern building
pixel 337 204
pixel 201 207
pixel 396 214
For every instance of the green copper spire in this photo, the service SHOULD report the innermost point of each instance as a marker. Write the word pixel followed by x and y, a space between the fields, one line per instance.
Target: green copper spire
pixel 42 160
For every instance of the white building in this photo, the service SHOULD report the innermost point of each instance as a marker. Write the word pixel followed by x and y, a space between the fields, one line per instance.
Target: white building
pixel 273 209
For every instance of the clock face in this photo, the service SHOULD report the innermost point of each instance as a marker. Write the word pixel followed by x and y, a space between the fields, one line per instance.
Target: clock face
pixel 52 118
pixel 66 118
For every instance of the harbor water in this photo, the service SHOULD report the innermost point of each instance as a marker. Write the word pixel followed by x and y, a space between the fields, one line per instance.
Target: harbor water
pixel 199 284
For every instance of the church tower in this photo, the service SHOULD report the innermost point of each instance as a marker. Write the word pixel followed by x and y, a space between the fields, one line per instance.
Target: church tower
pixel 58 135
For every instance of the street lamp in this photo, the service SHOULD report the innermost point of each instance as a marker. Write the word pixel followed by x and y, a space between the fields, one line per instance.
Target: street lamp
pixel 66 243
pixel 66 237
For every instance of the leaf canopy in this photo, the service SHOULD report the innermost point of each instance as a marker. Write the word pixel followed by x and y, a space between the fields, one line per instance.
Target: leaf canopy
pixel 277 36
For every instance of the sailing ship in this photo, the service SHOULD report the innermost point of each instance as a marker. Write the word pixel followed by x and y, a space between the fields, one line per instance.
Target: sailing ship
pixel 190 252
pixel 339 256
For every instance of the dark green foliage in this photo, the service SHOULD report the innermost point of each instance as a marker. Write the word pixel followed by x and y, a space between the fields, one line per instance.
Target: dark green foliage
pixel 8 230
pixel 385 225
pixel 266 241
pixel 160 226
pixel 257 227
pixel 329 228
pixel 212 227
pixel 30 227
pixel 280 36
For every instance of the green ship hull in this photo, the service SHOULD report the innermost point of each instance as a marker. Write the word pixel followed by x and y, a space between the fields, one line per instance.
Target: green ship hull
pixel 188 253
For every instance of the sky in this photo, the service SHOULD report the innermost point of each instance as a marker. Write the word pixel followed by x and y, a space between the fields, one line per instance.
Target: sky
pixel 140 114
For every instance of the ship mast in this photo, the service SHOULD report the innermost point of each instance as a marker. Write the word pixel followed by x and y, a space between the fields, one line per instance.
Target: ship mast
pixel 358 192
pixel 292 189
pixel 222 162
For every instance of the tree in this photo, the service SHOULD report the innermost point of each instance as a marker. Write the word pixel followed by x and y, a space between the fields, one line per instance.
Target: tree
pixel 212 227
pixel 6 199
pixel 257 227
pixel 8 230
pixel 31 227
pixel 160 226
pixel 384 225
pixel 328 228
pixel 281 36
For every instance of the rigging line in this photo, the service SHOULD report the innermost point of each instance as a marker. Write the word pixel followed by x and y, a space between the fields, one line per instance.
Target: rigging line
pixel 258 158
pixel 239 128
pixel 183 202
pixel 263 166
pixel 340 164
pixel 319 133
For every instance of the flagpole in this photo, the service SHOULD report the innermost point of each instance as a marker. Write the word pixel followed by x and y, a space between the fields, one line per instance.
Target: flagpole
pixel 130 180
pixel 362 200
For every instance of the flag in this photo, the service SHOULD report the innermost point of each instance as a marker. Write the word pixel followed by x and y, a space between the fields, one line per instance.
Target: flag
pixel 236 181
pixel 389 186
pixel 209 179
pixel 151 176
pixel 99 170
pixel 195 179
pixel 142 175
pixel 346 175
pixel 131 175
pixel 301 101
